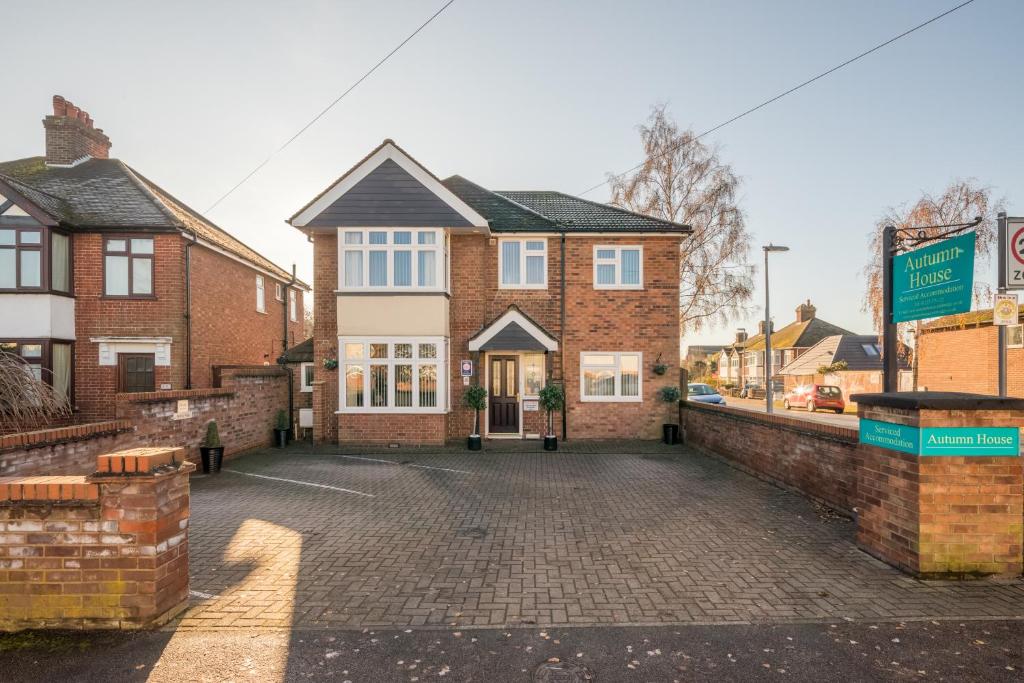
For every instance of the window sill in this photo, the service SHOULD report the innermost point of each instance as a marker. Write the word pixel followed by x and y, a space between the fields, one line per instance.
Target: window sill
pixel 611 399
pixel 129 297
pixel 633 288
pixel 406 291
pixel 501 286
pixel 306 390
pixel 391 411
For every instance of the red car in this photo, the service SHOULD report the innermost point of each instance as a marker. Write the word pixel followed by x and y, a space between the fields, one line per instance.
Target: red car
pixel 814 396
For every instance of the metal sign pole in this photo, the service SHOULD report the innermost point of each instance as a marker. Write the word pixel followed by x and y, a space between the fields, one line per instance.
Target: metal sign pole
pixel 890 368
pixel 1002 290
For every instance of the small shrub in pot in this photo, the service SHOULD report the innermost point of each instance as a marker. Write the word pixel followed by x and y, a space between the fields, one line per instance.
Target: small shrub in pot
pixel 281 428
pixel 211 450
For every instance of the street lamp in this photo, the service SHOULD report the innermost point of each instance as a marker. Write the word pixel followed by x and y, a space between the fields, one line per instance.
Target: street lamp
pixel 769 406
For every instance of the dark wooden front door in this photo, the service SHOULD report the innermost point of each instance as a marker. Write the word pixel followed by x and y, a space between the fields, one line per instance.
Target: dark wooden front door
pixel 135 372
pixel 504 395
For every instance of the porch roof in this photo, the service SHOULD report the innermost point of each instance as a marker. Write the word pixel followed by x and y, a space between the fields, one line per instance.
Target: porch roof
pixel 513 330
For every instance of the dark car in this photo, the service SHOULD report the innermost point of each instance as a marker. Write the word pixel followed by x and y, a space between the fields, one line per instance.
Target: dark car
pixel 756 389
pixel 815 396
pixel 704 393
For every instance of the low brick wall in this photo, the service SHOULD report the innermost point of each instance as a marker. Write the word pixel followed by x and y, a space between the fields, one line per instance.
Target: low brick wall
pixel 244 407
pixel 818 460
pixel 108 550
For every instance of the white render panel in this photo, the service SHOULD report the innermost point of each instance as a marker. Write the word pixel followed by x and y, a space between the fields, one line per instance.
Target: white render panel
pixel 31 316
pixel 109 347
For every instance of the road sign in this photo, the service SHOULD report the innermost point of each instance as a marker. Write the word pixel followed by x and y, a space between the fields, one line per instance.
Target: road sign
pixel 467 368
pixel 1015 253
pixel 1004 310
pixel 934 280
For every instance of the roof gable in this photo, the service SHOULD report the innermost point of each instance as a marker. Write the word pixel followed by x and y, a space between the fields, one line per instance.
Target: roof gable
pixel 513 331
pixel 388 188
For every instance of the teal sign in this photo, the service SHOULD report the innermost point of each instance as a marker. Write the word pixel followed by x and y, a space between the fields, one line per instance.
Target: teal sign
pixel 934 280
pixel 938 441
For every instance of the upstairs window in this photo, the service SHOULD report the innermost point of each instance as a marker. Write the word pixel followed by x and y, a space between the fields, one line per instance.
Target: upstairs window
pixel 279 291
pixel 523 264
pixel 21 258
pixel 293 305
pixel 128 267
pixel 392 259
pixel 618 267
pixel 261 294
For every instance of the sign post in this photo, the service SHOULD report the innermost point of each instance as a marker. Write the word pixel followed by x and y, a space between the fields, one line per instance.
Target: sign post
pixel 1011 277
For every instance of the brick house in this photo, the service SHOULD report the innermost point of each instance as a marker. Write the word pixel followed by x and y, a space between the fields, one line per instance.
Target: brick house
pixel 960 353
pixel 109 284
pixel 528 287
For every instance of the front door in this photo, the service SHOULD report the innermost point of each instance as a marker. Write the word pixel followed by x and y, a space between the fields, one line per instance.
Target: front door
pixel 504 395
pixel 135 372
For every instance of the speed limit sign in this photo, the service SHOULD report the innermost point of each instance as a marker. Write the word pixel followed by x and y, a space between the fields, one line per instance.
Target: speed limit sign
pixel 1015 253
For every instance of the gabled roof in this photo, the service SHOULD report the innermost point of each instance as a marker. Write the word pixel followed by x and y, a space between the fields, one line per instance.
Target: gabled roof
pixel 513 330
pixel 503 214
pixel 583 215
pixel 107 193
pixel 849 348
pixel 796 335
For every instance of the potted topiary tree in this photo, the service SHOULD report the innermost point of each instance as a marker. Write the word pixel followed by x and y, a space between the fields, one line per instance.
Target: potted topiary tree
pixel 551 398
pixel 281 429
pixel 211 449
pixel 670 430
pixel 475 397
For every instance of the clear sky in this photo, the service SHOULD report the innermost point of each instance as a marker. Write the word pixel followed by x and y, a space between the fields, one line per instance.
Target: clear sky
pixel 543 95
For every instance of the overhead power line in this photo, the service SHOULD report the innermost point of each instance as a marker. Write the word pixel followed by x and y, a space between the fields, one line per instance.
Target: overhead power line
pixel 790 91
pixel 330 106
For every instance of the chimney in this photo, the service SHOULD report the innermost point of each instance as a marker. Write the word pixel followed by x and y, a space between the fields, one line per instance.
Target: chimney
pixel 71 137
pixel 741 335
pixel 805 312
pixel 760 327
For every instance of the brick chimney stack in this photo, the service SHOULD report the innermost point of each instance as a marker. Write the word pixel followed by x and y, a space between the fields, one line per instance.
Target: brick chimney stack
pixel 760 327
pixel 805 312
pixel 741 335
pixel 71 137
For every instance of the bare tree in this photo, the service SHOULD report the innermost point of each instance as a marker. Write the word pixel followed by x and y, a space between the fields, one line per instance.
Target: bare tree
pixel 961 202
pixel 683 180
pixel 26 402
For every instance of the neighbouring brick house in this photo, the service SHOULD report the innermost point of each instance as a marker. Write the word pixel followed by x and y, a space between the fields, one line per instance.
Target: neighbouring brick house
pixel 109 284
pixel 527 286
pixel 701 360
pixel 960 353
pixel 730 360
pixel 855 360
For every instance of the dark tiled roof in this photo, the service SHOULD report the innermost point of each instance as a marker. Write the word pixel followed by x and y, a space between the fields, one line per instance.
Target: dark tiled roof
pixel 797 335
pixel 962 320
pixel 502 214
pixel 841 347
pixel 107 193
pixel 300 353
pixel 584 215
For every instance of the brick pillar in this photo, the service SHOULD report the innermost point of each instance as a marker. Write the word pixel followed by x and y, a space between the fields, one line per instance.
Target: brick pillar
pixel 325 337
pixel 945 512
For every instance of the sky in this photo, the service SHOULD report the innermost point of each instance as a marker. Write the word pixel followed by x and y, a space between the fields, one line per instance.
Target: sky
pixel 544 95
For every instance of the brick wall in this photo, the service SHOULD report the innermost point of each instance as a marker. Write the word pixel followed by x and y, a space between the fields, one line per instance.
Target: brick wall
pixel 967 360
pixel 325 336
pixel 105 551
pixel 818 460
pixel 382 428
pixel 244 408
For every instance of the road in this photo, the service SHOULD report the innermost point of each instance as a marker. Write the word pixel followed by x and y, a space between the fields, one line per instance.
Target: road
pixel 850 421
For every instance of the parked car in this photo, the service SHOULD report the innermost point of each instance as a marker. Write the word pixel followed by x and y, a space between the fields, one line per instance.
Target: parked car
pixel 756 389
pixel 704 393
pixel 815 396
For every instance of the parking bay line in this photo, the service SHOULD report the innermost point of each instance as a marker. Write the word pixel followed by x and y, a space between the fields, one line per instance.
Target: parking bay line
pixel 302 483
pixel 392 462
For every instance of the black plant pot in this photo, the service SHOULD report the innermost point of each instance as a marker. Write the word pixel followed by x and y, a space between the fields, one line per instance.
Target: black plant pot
pixel 670 433
pixel 551 443
pixel 280 437
pixel 212 458
pixel 474 443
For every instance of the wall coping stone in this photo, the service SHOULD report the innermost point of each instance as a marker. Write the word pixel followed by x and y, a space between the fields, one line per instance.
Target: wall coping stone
pixel 176 395
pixel 793 424
pixel 46 437
pixel 938 400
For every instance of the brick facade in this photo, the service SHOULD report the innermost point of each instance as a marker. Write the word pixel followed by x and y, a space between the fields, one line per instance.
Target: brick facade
pixel 966 359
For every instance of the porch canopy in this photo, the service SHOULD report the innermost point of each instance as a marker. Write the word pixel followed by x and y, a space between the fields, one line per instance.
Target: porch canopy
pixel 513 331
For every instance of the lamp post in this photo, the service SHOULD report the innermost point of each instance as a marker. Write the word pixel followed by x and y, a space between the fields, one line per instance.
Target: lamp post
pixel 769 406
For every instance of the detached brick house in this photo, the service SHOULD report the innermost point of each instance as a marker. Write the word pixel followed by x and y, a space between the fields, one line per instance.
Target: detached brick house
pixel 109 284
pixel 526 286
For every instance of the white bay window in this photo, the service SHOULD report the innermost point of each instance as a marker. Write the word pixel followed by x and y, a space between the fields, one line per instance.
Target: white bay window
pixel 610 377
pixel 399 374
pixel 389 258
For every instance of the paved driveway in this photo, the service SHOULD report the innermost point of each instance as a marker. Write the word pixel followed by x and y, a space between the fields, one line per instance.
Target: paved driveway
pixel 508 539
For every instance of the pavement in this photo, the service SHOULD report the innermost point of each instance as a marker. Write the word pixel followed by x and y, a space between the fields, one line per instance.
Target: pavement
pixel 641 562
pixel 844 420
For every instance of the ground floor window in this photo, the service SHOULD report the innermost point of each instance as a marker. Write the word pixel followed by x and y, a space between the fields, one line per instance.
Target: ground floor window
pixel 306 377
pixel 45 359
pixel 398 374
pixel 610 376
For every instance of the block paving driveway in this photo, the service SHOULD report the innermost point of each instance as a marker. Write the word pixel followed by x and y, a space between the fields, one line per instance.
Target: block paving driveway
pixel 642 535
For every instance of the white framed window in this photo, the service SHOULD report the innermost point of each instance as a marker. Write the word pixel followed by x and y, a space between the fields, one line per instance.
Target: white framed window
pixel 618 267
pixel 611 376
pixel 523 263
pixel 261 294
pixel 392 258
pixel 393 375
pixel 279 291
pixel 293 305
pixel 1015 336
pixel 533 374
pixel 306 377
